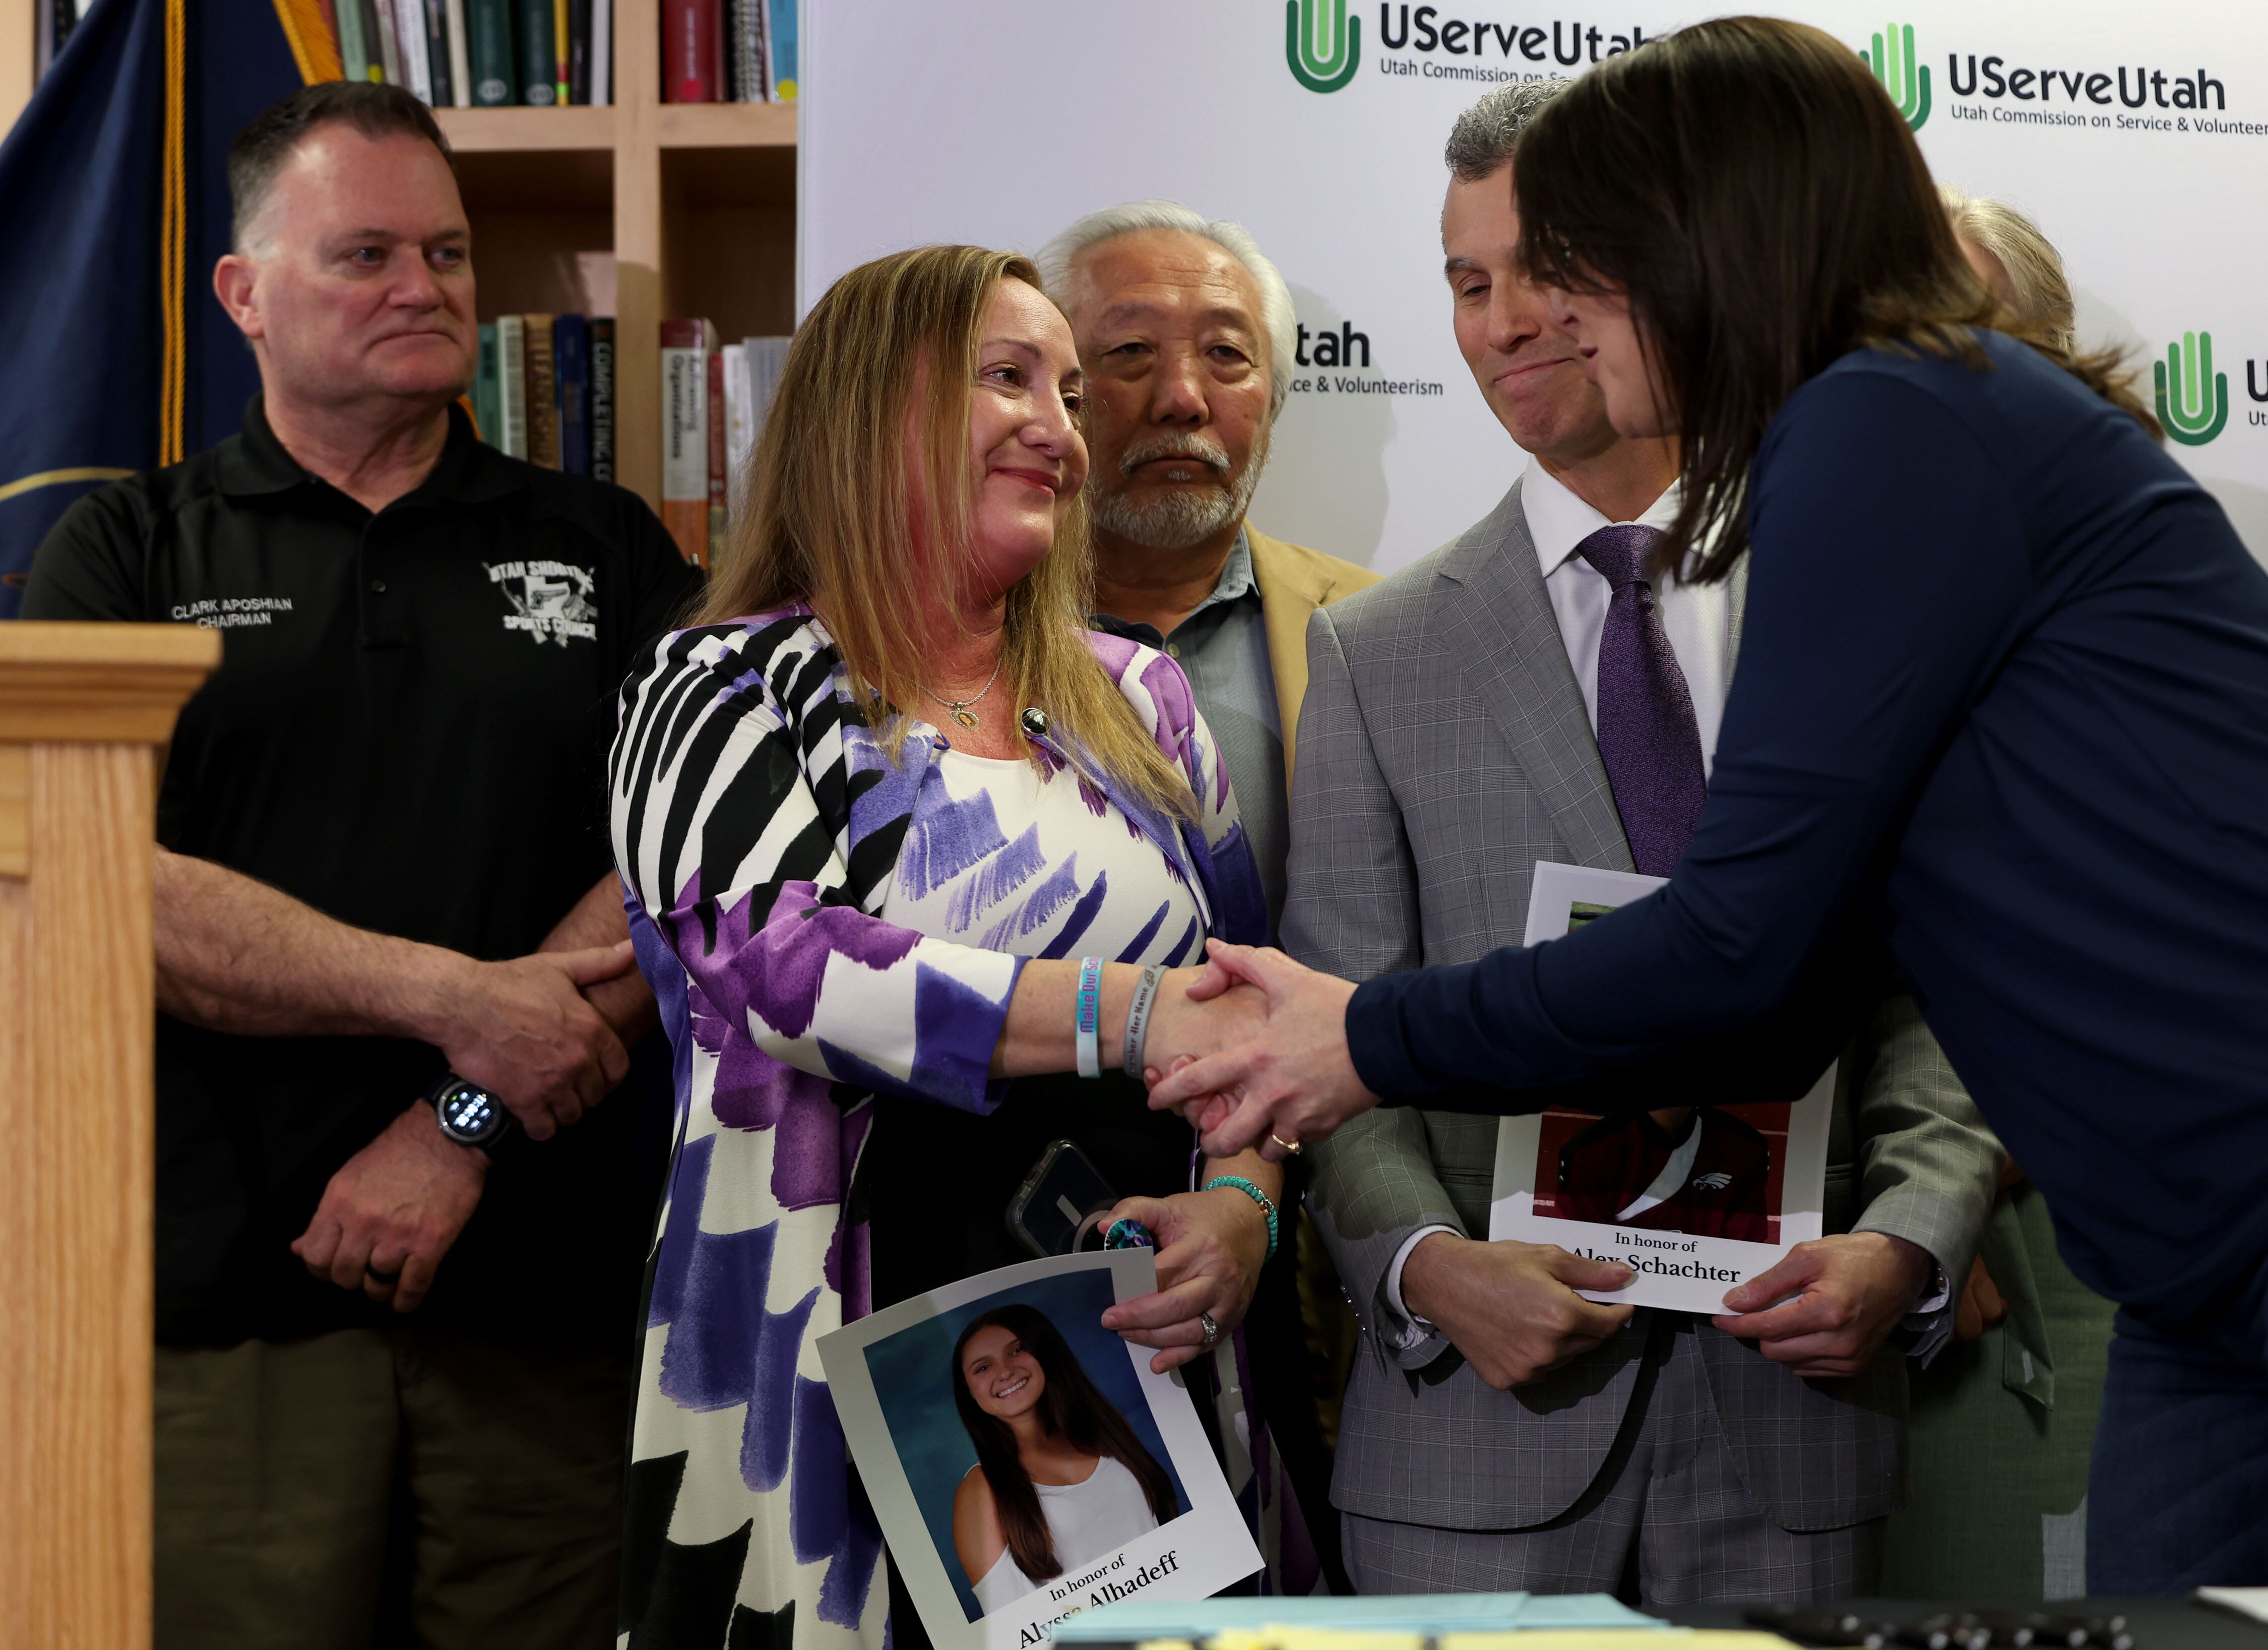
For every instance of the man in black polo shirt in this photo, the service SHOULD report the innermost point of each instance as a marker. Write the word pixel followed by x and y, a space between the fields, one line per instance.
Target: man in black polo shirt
pixel 384 859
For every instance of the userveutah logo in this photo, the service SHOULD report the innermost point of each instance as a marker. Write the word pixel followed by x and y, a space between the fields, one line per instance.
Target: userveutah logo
pixel 1903 74
pixel 1321 43
pixel 2192 398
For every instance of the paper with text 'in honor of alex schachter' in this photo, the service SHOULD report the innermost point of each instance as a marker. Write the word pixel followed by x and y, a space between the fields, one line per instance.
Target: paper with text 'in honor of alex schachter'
pixel 1026 1464
pixel 1696 1199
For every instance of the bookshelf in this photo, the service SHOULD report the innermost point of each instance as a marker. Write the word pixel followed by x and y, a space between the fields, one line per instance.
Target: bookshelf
pixel 697 202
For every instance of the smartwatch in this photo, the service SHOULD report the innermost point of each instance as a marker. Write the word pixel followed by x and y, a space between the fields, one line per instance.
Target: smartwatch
pixel 470 1115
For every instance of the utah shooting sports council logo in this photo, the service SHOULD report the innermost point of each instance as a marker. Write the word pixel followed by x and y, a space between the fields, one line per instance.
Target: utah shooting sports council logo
pixel 549 599
pixel 1903 76
pixel 1321 43
pixel 2192 398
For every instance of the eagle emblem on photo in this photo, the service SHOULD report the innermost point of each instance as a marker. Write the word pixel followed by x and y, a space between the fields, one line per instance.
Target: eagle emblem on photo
pixel 550 600
pixel 1716 1180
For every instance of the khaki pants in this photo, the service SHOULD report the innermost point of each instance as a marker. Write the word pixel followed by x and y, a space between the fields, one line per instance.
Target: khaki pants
pixel 373 1488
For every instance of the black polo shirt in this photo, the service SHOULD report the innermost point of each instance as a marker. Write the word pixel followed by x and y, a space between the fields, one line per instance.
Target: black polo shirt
pixel 408 732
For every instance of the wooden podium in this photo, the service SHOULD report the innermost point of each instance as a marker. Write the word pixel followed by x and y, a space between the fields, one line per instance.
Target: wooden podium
pixel 84 711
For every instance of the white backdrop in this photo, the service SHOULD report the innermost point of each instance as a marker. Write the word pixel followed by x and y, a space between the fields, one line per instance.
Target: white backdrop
pixel 998 121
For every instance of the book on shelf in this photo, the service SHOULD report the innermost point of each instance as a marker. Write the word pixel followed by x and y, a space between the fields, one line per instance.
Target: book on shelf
pixel 437 53
pixel 719 511
pixel 578 51
pixel 570 367
pixel 390 41
pixel 354 56
pixel 766 359
pixel 495 77
pixel 52 24
pixel 410 41
pixel 602 398
pixel 744 24
pixel 686 346
pixel 780 49
pixel 483 54
pixel 740 432
pixel 512 386
pixel 752 370
pixel 460 65
pixel 602 51
pixel 486 413
pixel 531 27
pixel 728 51
pixel 543 393
pixel 563 49
pixel 690 71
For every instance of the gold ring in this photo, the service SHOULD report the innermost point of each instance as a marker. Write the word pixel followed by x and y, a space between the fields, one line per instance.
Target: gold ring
pixel 1290 1148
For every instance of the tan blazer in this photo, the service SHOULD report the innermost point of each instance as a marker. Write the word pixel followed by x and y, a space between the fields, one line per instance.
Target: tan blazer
pixel 1294 581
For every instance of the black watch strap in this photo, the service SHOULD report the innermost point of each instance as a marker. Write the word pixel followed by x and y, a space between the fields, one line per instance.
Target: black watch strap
pixel 470 1115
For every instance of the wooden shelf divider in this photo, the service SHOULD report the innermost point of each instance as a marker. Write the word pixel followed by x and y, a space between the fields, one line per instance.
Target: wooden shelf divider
pixel 727 126
pixel 486 131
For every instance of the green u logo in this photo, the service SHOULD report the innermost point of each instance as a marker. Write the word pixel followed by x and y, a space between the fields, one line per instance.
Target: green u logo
pixel 1903 76
pixel 2192 398
pixel 1320 42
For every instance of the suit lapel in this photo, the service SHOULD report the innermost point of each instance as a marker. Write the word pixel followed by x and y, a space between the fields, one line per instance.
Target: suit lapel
pixel 1501 631
pixel 1291 589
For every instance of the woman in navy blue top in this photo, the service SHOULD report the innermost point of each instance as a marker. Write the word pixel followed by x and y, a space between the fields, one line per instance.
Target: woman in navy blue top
pixel 2000 722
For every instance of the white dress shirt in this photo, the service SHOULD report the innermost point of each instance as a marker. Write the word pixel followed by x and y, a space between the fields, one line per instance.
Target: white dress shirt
pixel 1697 618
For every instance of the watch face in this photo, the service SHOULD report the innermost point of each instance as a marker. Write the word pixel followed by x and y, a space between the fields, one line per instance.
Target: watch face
pixel 469 1114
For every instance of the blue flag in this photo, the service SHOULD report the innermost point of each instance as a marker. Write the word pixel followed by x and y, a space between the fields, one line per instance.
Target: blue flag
pixel 115 355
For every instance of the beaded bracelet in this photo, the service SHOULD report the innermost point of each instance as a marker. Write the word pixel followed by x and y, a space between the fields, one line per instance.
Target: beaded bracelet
pixel 1088 1030
pixel 1266 1204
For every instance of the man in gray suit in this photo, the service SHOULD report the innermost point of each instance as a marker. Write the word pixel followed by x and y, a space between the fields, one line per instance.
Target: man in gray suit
pixel 1466 719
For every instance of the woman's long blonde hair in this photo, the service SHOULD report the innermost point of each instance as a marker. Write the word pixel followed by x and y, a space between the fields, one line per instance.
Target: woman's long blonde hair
pixel 830 518
pixel 2038 292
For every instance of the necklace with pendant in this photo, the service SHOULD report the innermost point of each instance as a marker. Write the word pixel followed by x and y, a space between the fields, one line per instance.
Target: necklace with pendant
pixel 959 708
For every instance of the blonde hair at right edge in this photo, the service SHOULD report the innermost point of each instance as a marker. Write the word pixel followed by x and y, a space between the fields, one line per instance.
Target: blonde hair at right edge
pixel 830 517
pixel 2038 293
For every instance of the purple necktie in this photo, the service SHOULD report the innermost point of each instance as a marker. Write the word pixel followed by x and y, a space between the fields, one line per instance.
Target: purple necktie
pixel 1647 735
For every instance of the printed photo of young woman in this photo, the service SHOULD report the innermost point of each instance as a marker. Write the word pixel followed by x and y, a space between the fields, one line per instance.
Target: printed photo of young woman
pixel 1061 1477
pixel 1024 1462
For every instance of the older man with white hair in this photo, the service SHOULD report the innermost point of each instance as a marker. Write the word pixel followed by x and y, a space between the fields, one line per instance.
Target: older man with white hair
pixel 1186 333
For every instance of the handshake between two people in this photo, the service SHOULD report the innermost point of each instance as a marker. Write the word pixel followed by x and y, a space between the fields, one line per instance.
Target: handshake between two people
pixel 1257 1052
pixel 1252 1051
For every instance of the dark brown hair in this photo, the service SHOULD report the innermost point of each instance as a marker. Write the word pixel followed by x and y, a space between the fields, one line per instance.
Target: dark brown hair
pixel 259 151
pixel 1072 1408
pixel 1763 206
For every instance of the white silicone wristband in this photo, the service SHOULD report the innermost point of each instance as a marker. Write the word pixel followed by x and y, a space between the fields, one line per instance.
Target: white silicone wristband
pixel 1088 1029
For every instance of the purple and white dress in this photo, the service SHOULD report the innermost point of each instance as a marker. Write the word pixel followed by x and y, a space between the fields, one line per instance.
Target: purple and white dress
pixel 834 939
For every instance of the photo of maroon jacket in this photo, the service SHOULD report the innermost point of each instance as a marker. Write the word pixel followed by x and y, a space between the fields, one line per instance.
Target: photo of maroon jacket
pixel 1708 1180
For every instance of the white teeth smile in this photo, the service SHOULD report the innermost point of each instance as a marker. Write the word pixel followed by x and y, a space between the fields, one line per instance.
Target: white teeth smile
pixel 1013 1388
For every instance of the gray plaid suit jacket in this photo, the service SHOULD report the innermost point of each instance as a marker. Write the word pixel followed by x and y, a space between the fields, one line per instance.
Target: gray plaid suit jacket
pixel 1444 749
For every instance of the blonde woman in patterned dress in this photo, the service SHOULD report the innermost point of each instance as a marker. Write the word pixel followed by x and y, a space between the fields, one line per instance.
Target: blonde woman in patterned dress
pixel 872 809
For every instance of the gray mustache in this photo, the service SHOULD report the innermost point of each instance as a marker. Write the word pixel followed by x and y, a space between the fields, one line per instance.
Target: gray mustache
pixel 1195 449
